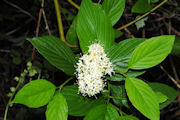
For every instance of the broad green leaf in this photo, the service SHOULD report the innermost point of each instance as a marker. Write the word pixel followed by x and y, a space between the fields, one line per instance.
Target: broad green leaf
pixel 56 52
pixel 143 98
pixel 71 36
pixel 176 47
pixel 114 9
pixel 57 109
pixel 119 54
pixel 36 93
pixel 151 52
pixel 93 26
pixel 141 6
pixel 161 97
pixel 127 117
pixel 102 112
pixel 77 104
pixel 170 92
pixel 119 77
pixel 119 95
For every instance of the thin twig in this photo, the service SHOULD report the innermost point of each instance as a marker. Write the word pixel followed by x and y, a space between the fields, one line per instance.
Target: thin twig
pixel 36 33
pixel 20 9
pixel 143 33
pixel 46 23
pixel 172 28
pixel 171 78
pixel 5 51
pixel 74 4
pixel 129 33
pixel 174 69
pixel 18 28
pixel 139 18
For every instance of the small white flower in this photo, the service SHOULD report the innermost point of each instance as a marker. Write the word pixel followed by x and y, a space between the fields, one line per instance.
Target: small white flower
pixel 91 69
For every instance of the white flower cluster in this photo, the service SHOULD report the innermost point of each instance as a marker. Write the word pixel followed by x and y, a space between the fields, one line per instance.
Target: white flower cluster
pixel 91 68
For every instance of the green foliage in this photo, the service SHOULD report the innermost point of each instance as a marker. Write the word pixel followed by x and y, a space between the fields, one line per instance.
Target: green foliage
pixel 176 48
pixel 102 112
pixel 141 6
pixel 170 92
pixel 94 26
pixel 77 104
pixel 119 95
pixel 143 98
pixel 57 109
pixel 127 117
pixel 161 97
pixel 118 34
pixel 119 54
pixel 56 52
pixel 71 36
pixel 119 77
pixel 154 1
pixel 151 52
pixel 114 9
pixel 35 94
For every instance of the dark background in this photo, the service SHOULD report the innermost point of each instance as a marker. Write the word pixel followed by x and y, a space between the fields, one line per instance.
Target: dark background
pixel 18 21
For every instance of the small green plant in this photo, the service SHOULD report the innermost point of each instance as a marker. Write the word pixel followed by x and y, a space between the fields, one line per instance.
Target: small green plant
pixel 102 61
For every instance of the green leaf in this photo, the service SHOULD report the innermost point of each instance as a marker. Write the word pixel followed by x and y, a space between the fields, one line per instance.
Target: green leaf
pixel 119 54
pixel 141 23
pixel 77 104
pixel 71 36
pixel 57 109
pixel 36 93
pixel 114 9
pixel 118 34
pixel 119 77
pixel 176 47
pixel 94 26
pixel 56 52
pixel 154 1
pixel 161 97
pixel 127 117
pixel 143 98
pixel 102 112
pixel 151 52
pixel 170 92
pixel 119 94
pixel 141 6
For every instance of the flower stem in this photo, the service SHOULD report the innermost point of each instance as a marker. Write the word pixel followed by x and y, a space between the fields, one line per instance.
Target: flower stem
pixel 121 112
pixel 139 18
pixel 60 25
pixel 74 4
pixel 9 102
pixel 58 13
pixel 62 85
pixel 108 93
pixel 115 98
